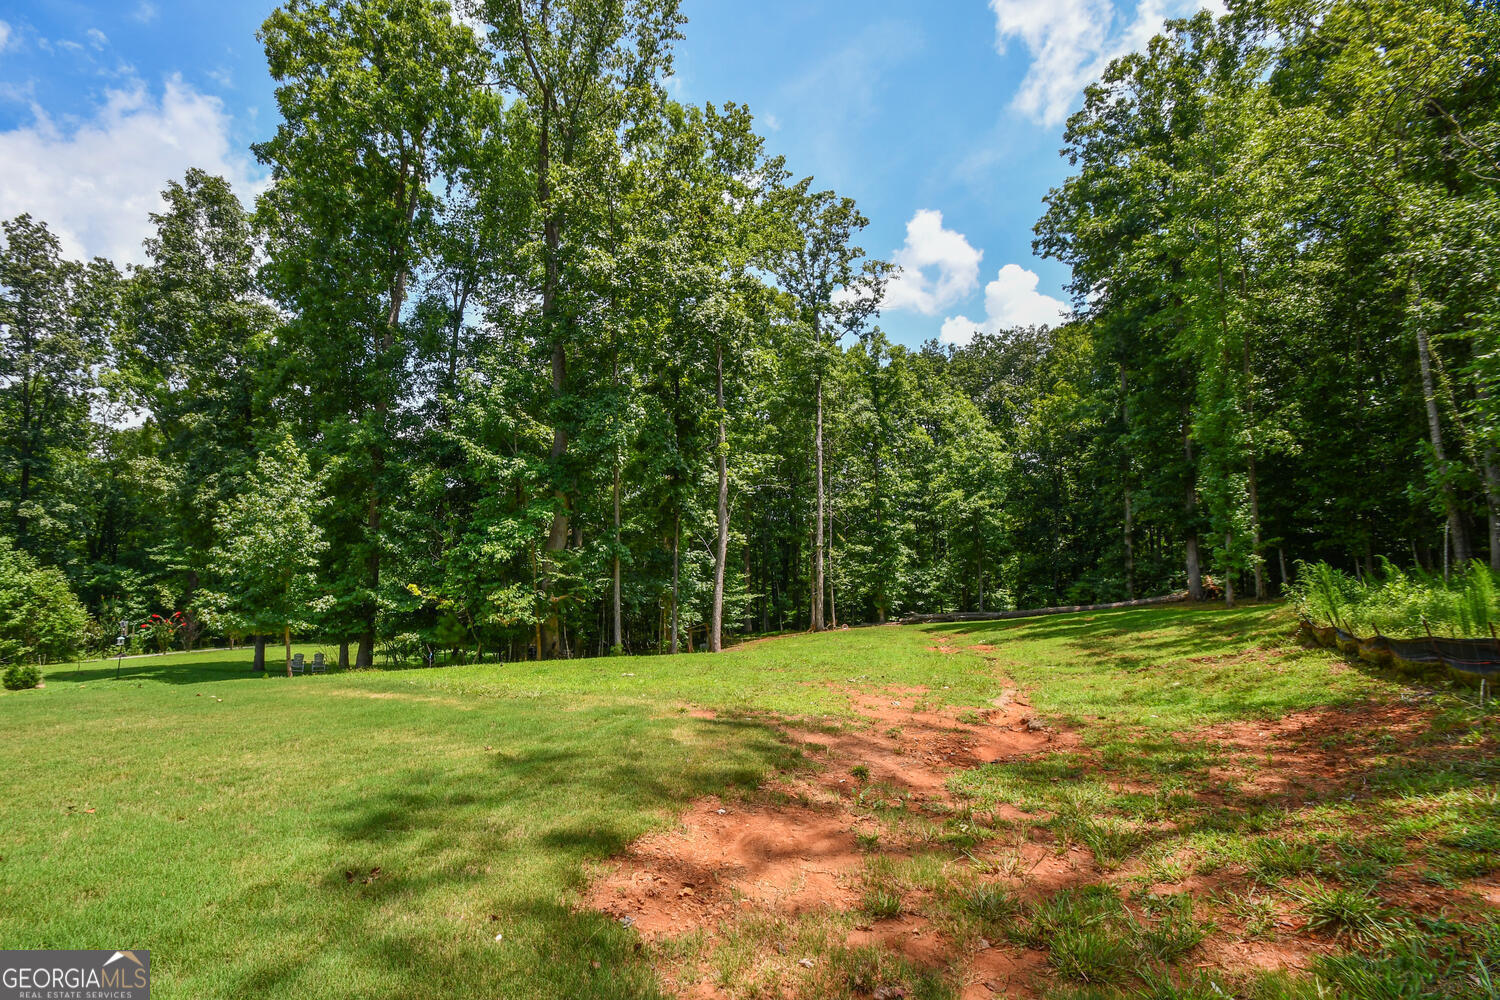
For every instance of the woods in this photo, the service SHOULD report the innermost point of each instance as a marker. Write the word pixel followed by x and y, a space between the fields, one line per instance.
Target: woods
pixel 548 364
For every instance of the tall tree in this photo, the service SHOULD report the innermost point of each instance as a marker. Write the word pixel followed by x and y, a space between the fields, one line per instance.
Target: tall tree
pixel 581 70
pixel 374 98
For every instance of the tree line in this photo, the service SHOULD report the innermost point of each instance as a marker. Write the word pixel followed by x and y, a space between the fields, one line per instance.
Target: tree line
pixel 517 356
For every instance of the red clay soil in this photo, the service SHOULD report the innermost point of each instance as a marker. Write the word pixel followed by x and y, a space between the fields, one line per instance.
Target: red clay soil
pixel 793 848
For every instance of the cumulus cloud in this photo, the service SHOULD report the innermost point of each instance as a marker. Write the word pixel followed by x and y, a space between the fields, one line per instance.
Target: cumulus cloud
pixel 1071 42
pixel 936 268
pixel 1011 300
pixel 95 182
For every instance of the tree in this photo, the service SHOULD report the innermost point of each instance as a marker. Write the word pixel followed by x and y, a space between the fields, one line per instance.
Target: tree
pixel 194 336
pixel 269 542
pixel 374 97
pixel 821 270
pixel 582 71
pixel 55 321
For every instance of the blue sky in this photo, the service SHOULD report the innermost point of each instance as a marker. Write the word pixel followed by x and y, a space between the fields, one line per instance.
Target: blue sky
pixel 942 119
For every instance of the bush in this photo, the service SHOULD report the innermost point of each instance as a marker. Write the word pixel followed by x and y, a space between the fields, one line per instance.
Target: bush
pixel 40 619
pixel 20 676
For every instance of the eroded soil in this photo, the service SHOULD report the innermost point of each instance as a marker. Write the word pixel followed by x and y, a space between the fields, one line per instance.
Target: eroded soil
pixel 798 853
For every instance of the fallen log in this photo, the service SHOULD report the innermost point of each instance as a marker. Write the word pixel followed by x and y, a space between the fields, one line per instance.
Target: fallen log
pixel 995 616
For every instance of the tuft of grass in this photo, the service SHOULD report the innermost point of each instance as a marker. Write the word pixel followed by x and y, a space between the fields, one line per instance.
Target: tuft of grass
pixel 881 902
pixel 1273 859
pixel 1355 913
pixel 993 904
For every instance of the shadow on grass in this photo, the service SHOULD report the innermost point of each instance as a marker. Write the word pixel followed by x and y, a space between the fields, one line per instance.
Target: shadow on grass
pixel 419 874
pixel 1170 631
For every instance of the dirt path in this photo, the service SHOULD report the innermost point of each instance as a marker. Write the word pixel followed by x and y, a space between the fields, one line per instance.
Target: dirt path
pixel 799 846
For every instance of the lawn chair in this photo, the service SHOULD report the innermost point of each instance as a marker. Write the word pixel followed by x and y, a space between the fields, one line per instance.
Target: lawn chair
pixel 319 664
pixel 299 665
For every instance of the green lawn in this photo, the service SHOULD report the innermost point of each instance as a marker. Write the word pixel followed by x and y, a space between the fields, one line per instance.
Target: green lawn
pixel 374 833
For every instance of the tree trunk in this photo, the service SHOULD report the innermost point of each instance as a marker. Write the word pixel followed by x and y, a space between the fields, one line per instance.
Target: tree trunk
pixel 1228 574
pixel 1190 509
pixel 676 538
pixel 833 606
pixel 817 574
pixel 1129 523
pixel 1491 476
pixel 716 627
pixel 286 636
pixel 1457 534
pixel 1255 560
pixel 557 536
pixel 615 598
pixel 1492 496
pixel 260 653
pixel 344 655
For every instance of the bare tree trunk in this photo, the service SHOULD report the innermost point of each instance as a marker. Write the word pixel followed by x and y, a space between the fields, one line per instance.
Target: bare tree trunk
pixel 260 654
pixel 1255 560
pixel 1190 508
pixel 716 627
pixel 676 538
pixel 557 536
pixel 1228 574
pixel 833 607
pixel 615 598
pixel 817 574
pixel 1492 496
pixel 344 655
pixel 1491 480
pixel 1457 534
pixel 1129 525
pixel 286 635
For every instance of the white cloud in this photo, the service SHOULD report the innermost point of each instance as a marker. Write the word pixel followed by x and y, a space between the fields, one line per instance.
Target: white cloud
pixel 145 12
pixel 1010 300
pixel 1072 41
pixel 5 33
pixel 96 182
pixel 97 38
pixel 931 248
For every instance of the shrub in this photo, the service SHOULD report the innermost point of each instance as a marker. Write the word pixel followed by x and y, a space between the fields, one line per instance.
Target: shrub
pixel 1397 602
pixel 20 676
pixel 40 619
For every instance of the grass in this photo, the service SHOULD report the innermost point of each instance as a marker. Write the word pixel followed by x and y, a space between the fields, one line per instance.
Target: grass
pixel 427 832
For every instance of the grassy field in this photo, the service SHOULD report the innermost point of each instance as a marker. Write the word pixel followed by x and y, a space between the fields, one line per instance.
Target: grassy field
pixel 426 833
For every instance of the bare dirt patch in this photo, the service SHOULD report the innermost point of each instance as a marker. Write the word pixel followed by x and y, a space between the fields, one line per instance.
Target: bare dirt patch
pixel 799 852
pixel 794 847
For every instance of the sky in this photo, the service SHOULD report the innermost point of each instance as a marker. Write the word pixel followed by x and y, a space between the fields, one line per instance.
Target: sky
pixel 943 119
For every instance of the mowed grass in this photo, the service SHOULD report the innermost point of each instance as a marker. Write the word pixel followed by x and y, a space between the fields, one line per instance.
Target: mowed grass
pixel 375 832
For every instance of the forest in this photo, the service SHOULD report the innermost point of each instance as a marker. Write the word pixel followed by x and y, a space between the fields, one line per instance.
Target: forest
pixel 518 357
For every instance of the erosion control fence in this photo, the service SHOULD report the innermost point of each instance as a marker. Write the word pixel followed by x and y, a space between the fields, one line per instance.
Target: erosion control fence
pixel 1468 659
pixel 995 616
